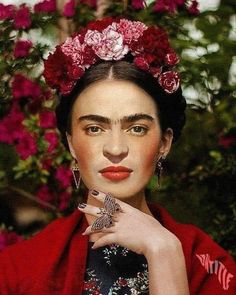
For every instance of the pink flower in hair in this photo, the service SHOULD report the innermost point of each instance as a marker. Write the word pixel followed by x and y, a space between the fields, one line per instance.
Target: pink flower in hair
pixel 171 59
pixel 169 81
pixel 111 45
pixel 131 30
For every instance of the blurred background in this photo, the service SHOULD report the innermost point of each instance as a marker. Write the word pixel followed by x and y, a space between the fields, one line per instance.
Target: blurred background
pixel 198 184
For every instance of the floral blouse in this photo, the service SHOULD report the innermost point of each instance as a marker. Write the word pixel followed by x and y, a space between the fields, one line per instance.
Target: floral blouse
pixel 115 270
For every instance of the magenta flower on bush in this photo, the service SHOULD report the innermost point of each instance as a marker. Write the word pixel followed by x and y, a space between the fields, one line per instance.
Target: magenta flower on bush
pixel 23 87
pixel 138 4
pixel 64 176
pixel 26 146
pixel 170 6
pixel 22 18
pixel 69 9
pixel 46 164
pixel 47 119
pixel 52 140
pixel 46 6
pixel 44 194
pixel 8 238
pixel 11 127
pixel 64 199
pixel 6 11
pixel 22 48
pixel 193 8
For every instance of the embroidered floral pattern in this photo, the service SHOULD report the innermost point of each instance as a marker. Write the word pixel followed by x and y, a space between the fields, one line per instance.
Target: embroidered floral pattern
pixel 115 270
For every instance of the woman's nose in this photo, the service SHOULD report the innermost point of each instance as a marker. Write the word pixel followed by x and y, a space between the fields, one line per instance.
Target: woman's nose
pixel 115 147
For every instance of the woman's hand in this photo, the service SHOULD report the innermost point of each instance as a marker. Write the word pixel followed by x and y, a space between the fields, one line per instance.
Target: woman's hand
pixel 132 229
pixel 143 234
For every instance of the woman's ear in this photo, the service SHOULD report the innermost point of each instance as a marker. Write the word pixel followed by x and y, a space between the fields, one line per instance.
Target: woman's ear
pixel 166 141
pixel 68 136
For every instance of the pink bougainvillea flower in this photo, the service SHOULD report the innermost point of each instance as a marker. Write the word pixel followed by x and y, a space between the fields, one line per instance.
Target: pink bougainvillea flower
pixel 44 194
pixel 22 48
pixel 69 9
pixel 47 119
pixel 64 176
pixel 26 146
pixel 46 6
pixel 23 87
pixel 11 127
pixel 8 238
pixel 46 163
pixel 170 6
pixel 227 141
pixel 6 11
pixel 64 199
pixel 52 140
pixel 22 18
pixel 193 8
pixel 138 4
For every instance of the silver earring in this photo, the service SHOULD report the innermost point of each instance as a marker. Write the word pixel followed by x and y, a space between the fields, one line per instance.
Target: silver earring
pixel 76 174
pixel 159 169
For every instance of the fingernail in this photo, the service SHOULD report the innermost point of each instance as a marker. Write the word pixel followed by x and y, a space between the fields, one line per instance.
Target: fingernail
pixel 82 205
pixel 94 192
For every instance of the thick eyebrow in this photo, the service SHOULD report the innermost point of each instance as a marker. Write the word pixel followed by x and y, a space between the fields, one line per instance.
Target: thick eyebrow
pixel 125 119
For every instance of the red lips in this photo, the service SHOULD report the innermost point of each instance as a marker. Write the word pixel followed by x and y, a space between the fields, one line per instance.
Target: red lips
pixel 116 169
pixel 116 173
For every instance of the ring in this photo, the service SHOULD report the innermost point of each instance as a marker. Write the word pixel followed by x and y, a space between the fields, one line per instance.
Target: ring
pixel 102 211
pixel 110 207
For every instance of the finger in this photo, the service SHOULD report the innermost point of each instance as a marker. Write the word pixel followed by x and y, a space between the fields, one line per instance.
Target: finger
pixel 99 195
pixel 89 230
pixel 103 241
pixel 91 210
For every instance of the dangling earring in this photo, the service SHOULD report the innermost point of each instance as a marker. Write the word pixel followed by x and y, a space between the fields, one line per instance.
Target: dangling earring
pixel 76 174
pixel 159 169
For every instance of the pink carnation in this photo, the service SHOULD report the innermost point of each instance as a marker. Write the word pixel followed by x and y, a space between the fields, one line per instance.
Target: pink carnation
pixel 6 11
pixel 64 176
pixel 131 30
pixel 169 81
pixel 64 199
pixel 69 9
pixel 8 238
pixel 23 87
pixel 22 48
pixel 52 139
pixel 46 6
pixel 22 18
pixel 26 146
pixel 11 127
pixel 44 194
pixel 47 119
pixel 112 45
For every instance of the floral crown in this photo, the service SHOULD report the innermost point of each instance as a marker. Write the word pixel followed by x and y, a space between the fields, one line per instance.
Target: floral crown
pixel 112 39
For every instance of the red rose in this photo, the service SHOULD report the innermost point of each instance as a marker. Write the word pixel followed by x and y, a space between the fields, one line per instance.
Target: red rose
pixel 169 81
pixel 46 6
pixel 171 59
pixel 6 11
pixel 22 48
pixel 60 72
pixel 141 63
pixel 154 42
pixel 22 18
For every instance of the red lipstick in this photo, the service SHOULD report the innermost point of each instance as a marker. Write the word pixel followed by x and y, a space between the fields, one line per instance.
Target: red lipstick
pixel 116 172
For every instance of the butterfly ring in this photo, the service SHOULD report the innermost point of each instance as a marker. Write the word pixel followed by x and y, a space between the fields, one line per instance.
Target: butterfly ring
pixel 110 207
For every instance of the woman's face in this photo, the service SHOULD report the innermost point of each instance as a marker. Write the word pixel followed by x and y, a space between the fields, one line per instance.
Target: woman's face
pixel 115 123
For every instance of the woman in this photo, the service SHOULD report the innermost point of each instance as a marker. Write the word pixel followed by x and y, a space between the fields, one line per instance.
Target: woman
pixel 120 109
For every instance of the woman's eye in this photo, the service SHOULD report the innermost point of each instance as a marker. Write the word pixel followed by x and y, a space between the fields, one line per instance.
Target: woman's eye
pixel 140 130
pixel 93 130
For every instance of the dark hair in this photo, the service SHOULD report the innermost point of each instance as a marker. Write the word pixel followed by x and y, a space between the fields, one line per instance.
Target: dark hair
pixel 170 107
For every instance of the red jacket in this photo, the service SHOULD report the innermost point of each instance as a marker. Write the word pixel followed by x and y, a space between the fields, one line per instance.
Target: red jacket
pixel 54 260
